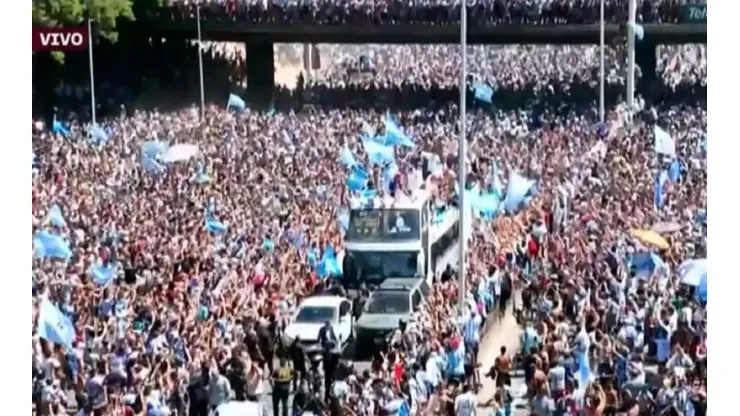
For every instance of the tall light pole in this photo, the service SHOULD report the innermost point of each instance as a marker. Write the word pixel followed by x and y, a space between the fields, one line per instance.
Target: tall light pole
pixel 462 149
pixel 631 59
pixel 92 66
pixel 602 115
pixel 200 67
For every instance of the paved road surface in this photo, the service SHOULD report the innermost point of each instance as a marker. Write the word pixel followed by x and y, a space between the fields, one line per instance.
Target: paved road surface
pixel 504 332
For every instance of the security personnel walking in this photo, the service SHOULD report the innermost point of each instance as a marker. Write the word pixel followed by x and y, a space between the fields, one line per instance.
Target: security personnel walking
pixel 281 379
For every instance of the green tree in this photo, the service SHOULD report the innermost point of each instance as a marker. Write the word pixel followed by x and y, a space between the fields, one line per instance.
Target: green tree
pixel 105 14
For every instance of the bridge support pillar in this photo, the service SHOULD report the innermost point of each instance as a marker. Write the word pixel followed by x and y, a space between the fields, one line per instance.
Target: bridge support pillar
pixel 646 57
pixel 260 73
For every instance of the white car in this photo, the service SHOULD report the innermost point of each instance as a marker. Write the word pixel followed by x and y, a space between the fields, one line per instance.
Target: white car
pixel 313 313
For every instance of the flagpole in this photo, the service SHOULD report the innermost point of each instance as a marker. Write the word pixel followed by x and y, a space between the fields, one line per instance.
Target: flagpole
pixel 92 66
pixel 631 59
pixel 200 66
pixel 602 115
pixel 462 150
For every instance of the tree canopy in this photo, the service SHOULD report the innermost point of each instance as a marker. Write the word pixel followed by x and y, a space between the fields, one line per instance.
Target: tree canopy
pixel 105 13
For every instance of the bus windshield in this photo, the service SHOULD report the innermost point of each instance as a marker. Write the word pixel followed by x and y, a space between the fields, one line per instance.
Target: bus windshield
pixel 379 265
pixel 383 225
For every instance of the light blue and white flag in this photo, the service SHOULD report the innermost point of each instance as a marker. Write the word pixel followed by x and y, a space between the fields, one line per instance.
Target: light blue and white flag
pixel 99 136
pixel 516 191
pixel 497 188
pixel 701 290
pixel 659 194
pixel 58 128
pixel 153 148
pixel 55 217
pixel 236 102
pixel 102 274
pixel 639 30
pixel 356 182
pixel 389 174
pixel 367 131
pixel 483 92
pixel 691 272
pixel 48 245
pixel 343 220
pixel 328 266
pixel 346 157
pixel 378 154
pixel 488 205
pixel 181 152
pixel 584 370
pixel 53 325
pixel 663 142
pixel 647 263
pixel 152 165
pixel 215 226
pixel 674 171
pixel 395 135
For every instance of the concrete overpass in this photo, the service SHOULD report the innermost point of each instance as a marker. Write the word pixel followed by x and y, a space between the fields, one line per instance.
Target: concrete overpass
pixel 261 37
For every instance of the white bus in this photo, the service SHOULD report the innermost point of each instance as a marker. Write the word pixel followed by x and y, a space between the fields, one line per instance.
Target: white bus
pixel 398 237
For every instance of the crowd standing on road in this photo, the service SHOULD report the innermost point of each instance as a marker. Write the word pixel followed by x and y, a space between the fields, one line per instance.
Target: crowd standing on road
pixel 162 282
pixel 613 303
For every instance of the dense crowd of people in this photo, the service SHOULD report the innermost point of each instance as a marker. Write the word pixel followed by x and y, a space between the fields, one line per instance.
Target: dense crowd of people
pixel 521 76
pixel 412 76
pixel 171 300
pixel 389 12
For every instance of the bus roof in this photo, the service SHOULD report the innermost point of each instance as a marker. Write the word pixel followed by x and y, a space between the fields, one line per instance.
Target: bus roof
pixel 401 201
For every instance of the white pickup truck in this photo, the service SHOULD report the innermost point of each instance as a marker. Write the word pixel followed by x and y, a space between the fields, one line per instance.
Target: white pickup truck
pixel 313 313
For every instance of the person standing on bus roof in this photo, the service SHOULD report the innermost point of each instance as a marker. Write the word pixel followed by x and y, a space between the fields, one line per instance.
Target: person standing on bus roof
pixel 447 274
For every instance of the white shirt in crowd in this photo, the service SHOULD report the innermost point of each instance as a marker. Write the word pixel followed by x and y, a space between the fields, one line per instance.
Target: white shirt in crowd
pixel 433 373
pixel 254 382
pixel 495 282
pixel 465 404
pixel 557 378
